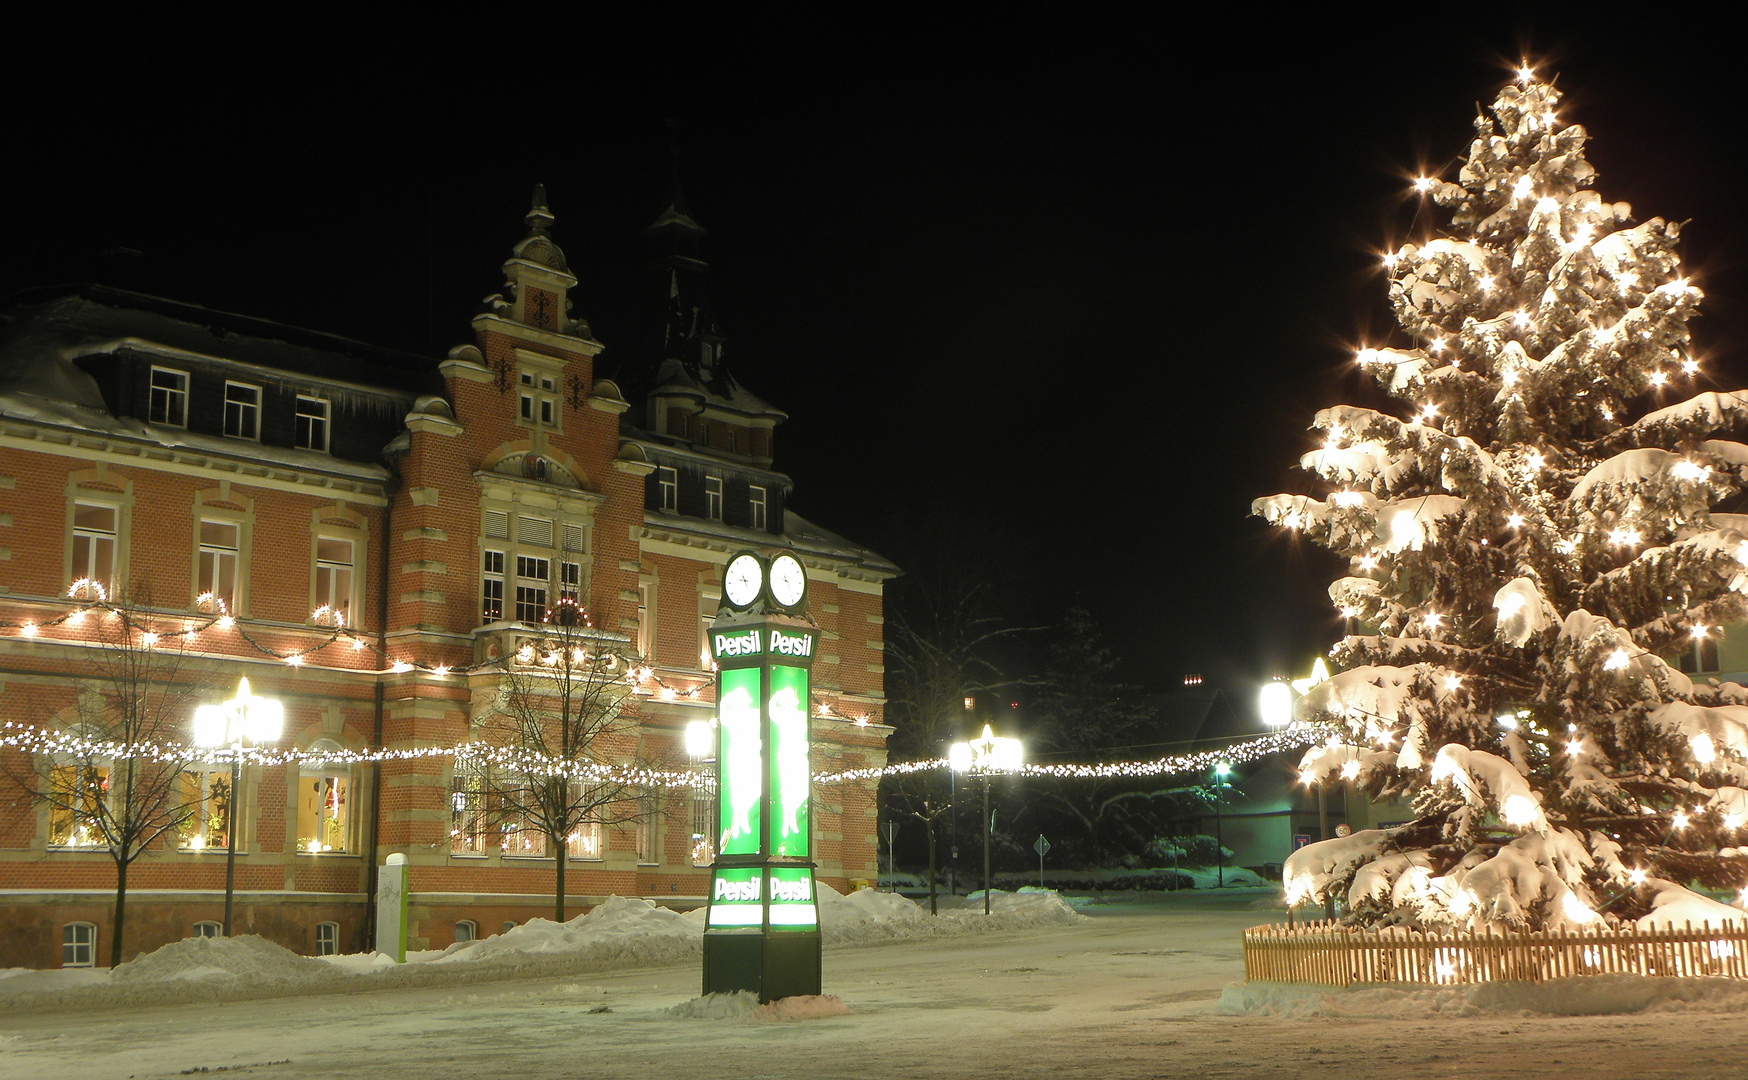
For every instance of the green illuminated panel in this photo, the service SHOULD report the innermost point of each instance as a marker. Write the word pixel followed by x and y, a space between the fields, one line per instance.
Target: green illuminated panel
pixel 734 898
pixel 737 712
pixel 792 905
pixel 791 781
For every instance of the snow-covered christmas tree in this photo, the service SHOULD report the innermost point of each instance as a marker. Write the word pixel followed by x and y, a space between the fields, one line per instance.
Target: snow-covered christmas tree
pixel 1528 539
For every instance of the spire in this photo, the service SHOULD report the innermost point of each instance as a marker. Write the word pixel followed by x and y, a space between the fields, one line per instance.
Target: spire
pixel 539 218
pixel 537 279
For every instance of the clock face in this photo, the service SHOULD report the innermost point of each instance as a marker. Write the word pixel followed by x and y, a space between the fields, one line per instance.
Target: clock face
pixel 743 579
pixel 788 580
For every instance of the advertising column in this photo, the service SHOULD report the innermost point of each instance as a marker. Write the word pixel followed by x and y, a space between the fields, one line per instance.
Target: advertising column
pixel 762 928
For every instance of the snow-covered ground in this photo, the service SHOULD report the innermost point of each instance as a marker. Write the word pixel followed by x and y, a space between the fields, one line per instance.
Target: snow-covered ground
pixel 1139 987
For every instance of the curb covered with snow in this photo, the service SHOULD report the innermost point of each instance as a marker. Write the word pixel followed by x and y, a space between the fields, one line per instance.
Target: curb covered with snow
pixel 618 934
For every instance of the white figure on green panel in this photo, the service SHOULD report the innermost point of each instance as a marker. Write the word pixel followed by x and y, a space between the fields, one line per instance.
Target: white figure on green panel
pixel 739 715
pixel 790 720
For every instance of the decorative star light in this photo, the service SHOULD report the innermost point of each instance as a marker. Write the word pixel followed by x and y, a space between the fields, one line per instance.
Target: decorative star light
pixel 1319 673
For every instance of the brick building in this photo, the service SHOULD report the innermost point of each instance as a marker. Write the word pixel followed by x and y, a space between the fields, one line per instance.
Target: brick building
pixel 265 485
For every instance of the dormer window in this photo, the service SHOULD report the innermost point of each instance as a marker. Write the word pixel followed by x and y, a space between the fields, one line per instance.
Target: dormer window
pixel 539 399
pixel 667 488
pixel 312 423
pixel 169 403
pixel 713 498
pixel 242 410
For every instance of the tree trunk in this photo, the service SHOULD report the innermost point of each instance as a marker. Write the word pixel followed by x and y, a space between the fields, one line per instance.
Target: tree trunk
pixel 558 843
pixel 115 936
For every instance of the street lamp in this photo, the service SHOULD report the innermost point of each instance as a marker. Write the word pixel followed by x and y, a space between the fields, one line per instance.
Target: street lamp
pixel 246 718
pixel 1221 772
pixel 1275 703
pixel 984 757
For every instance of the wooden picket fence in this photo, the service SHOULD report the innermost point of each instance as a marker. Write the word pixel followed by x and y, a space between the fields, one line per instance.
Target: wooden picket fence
pixel 1328 954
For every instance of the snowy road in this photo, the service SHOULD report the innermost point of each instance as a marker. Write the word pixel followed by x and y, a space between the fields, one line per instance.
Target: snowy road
pixel 1128 993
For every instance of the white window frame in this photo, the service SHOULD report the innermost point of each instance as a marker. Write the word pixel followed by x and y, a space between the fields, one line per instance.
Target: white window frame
pixel 208 928
pixel 327 939
pixel 246 410
pixel 713 498
pixel 338 781
pixel 703 821
pixel 667 489
pixel 340 586
pixel 533 587
pixel 758 507
pixel 468 819
pixel 646 636
pixel 537 398
pixel 96 539
pixel 491 588
pixel 175 398
pixel 466 930
pixel 587 842
pixel 79 945
pixel 201 819
pixel 322 421
pixel 219 553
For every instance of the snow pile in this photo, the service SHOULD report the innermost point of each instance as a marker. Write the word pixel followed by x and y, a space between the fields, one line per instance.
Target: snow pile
pixel 250 957
pixel 621 932
pixel 1590 995
pixel 743 1005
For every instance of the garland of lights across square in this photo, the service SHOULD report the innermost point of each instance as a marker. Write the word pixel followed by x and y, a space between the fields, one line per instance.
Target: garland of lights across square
pixel 762 929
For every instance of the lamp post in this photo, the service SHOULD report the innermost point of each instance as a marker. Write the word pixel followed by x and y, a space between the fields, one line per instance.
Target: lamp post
pixel 1221 771
pixel 984 757
pixel 246 718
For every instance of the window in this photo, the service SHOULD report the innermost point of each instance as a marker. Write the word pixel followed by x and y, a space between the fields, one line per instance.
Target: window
pixel 645 613
pixel 538 403
pixel 535 531
pixel 706 620
pixel 466 930
pixel 522 836
pixel 532 577
pixel 94 532
pixel 78 791
pixel 756 507
pixel 206 794
pixel 703 432
pixel 703 817
pixel 334 575
pixel 667 489
pixel 78 945
pixel 713 498
pixel 508 925
pixel 312 423
pixel 570 581
pixel 585 839
pixel 327 938
pixel 324 805
pixel 209 929
pixel 1702 656
pixel 497 525
pixel 648 850
pixel 467 810
pixel 218 561
pixel 169 403
pixel 242 410
pixel 492 587
pixel 729 440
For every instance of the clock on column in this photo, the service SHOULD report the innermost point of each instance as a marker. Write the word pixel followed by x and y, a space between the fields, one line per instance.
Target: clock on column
pixel 743 580
pixel 788 580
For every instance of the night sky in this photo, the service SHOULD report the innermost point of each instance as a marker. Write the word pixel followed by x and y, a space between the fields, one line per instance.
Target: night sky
pixel 1065 298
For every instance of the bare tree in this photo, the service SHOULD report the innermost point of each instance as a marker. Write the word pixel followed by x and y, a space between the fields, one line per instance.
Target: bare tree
pixel 565 726
pixel 117 783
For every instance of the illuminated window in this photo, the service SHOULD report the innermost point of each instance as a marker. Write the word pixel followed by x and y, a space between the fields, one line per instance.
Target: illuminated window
pixel 94 533
pixel 242 410
pixel 522 836
pixel 78 795
pixel 492 587
pixel 218 561
pixel 645 619
pixel 327 939
pixel 703 819
pixel 312 423
pixel 713 498
pixel 756 507
pixel 334 575
pixel 169 403
pixel 324 804
pixel 1702 656
pixel 467 810
pixel 667 489
pixel 209 929
pixel 78 945
pixel 207 797
pixel 585 839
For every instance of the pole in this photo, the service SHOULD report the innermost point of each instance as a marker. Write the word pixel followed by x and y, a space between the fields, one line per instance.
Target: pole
pixel 1040 868
pixel 953 833
pixel 231 840
pixel 987 825
pixel 1219 839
